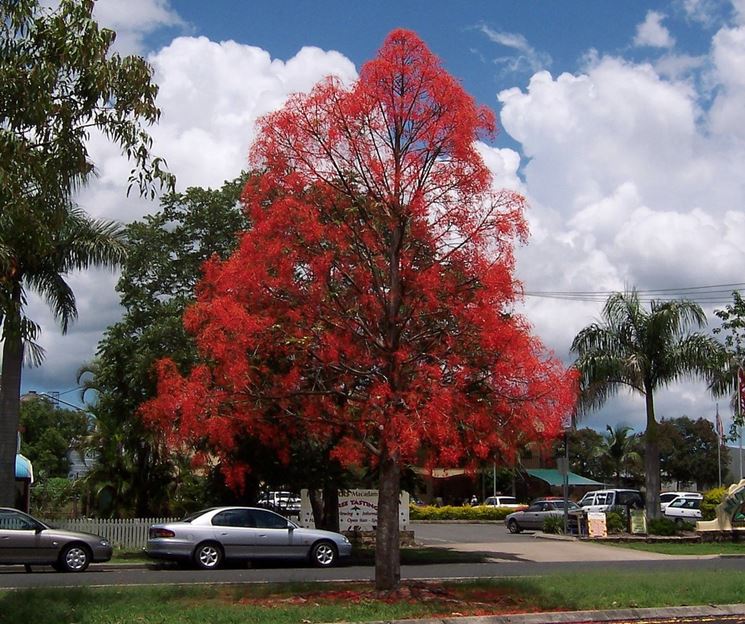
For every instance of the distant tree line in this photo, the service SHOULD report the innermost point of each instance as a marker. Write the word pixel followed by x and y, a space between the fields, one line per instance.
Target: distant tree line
pixel 689 456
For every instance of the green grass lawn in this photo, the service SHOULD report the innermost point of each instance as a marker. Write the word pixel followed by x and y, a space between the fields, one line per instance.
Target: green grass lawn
pixel 672 548
pixel 358 602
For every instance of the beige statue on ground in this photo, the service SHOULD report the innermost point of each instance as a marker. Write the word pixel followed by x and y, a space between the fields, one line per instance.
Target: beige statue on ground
pixel 726 511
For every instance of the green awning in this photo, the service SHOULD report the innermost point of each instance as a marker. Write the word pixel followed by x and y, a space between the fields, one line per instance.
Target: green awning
pixel 553 477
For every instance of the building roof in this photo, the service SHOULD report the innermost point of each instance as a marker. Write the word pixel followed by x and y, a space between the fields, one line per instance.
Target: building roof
pixel 554 477
pixel 24 470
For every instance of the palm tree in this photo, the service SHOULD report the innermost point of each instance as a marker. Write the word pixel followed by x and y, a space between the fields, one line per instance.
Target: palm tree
pixel 617 451
pixel 79 243
pixel 643 350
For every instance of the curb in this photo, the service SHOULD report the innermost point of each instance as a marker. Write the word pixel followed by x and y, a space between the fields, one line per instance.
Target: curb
pixel 577 617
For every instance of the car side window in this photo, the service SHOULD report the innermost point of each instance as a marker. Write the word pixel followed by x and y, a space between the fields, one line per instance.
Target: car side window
pixel 268 520
pixel 587 499
pixel 13 521
pixel 233 518
pixel 535 507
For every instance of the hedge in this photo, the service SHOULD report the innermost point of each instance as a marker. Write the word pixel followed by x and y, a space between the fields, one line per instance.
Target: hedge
pixel 711 501
pixel 449 512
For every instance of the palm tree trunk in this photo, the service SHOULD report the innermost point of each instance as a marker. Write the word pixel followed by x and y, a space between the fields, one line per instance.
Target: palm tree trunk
pixel 10 394
pixel 651 460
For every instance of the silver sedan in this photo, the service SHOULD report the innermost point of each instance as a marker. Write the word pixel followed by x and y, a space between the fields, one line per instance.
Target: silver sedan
pixel 210 537
pixel 26 540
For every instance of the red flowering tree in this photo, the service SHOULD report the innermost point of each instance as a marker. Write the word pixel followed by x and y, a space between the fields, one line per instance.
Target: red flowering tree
pixel 371 302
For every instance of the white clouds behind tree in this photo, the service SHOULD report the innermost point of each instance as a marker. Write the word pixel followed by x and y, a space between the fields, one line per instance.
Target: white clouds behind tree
pixel 633 170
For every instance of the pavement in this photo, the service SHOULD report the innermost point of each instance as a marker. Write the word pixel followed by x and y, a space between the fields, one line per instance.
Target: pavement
pixel 562 548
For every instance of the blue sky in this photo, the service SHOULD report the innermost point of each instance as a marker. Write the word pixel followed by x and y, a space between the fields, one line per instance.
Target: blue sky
pixel 622 124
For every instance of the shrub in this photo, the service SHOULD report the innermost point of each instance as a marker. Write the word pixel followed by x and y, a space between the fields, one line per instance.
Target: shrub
pixel 479 512
pixel 662 526
pixel 55 497
pixel 711 501
pixel 615 521
pixel 553 524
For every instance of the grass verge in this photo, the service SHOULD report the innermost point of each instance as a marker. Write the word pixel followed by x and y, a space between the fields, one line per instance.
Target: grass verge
pixel 682 549
pixel 358 602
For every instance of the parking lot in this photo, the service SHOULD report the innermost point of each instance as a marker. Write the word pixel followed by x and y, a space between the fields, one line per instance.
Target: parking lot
pixel 534 546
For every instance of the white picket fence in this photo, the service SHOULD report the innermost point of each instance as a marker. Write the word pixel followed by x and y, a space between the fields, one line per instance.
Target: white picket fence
pixel 129 533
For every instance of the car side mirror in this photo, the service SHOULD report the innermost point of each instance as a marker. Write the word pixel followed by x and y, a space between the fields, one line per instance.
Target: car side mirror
pixel 290 527
pixel 38 529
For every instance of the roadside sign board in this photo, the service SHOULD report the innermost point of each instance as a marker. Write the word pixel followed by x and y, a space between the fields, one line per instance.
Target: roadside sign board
pixel 638 522
pixel 596 526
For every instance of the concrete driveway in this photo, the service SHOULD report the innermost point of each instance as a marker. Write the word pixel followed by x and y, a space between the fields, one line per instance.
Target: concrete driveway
pixel 533 546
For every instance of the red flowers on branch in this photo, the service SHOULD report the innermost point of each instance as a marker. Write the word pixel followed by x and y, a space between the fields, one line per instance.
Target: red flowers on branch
pixel 372 299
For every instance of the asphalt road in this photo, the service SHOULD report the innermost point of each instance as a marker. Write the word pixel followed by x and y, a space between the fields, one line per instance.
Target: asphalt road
pixel 525 554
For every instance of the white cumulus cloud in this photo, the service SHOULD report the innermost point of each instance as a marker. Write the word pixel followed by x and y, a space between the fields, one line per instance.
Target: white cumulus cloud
pixel 211 94
pixel 651 32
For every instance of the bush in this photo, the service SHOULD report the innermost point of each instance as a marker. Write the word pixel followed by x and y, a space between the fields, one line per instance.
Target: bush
pixel 479 512
pixel 615 521
pixel 553 524
pixel 662 526
pixel 711 501
pixel 55 497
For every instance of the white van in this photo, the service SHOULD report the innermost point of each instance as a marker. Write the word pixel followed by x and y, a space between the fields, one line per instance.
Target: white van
pixel 668 497
pixel 604 500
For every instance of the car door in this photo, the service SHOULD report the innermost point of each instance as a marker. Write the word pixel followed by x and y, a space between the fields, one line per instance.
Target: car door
pixel 690 509
pixel 275 536
pixel 235 530
pixel 22 539
pixel 534 514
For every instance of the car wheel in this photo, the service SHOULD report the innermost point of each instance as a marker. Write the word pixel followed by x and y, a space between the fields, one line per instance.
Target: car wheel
pixel 208 556
pixel 513 526
pixel 73 558
pixel 323 554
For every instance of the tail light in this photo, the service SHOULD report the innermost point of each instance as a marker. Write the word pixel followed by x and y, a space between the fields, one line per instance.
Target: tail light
pixel 160 532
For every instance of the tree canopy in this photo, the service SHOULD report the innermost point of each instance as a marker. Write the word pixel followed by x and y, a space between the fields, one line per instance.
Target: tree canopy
pixel 59 81
pixel 166 252
pixel 372 300
pixel 643 351
pixel 48 433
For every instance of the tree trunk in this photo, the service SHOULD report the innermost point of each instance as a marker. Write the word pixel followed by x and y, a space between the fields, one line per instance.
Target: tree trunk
pixel 316 505
pixel 651 460
pixel 330 508
pixel 10 394
pixel 387 539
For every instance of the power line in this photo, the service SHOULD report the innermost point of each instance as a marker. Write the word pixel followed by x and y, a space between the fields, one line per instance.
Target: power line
pixel 716 294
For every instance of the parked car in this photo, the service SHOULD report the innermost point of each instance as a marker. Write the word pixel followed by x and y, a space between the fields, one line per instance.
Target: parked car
pixel 283 502
pixel 536 513
pixel 668 497
pixel 605 500
pixel 210 537
pixel 509 502
pixel 25 540
pixel 684 509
